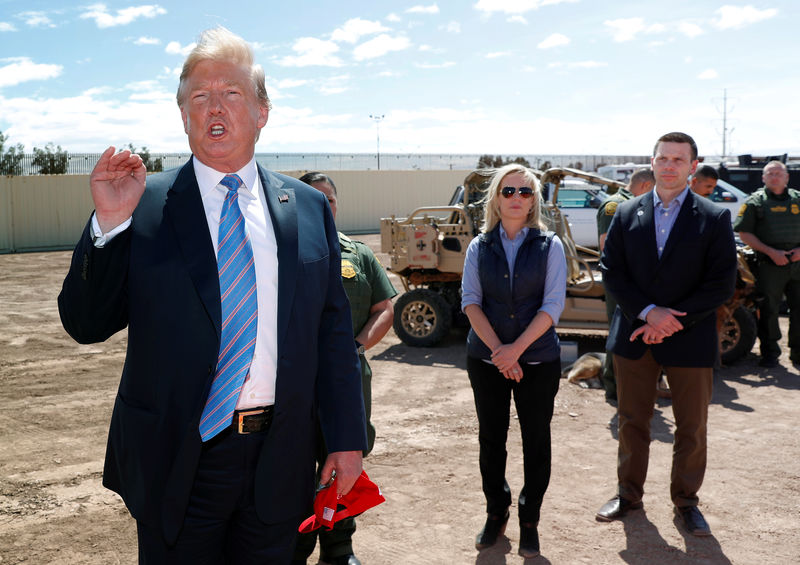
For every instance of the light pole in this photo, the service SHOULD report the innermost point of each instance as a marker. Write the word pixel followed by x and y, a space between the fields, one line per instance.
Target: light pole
pixel 377 119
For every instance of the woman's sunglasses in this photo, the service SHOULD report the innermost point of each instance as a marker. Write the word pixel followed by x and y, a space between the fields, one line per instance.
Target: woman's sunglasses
pixel 524 191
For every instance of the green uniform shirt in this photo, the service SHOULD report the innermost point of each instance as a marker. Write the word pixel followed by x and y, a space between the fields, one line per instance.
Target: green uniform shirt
pixel 774 219
pixel 606 211
pixel 366 283
pixel 364 280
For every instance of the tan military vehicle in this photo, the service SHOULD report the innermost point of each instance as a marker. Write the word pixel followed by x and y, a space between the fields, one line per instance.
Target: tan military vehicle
pixel 427 249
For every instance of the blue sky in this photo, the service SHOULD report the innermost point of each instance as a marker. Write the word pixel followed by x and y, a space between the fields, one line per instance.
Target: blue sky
pixel 481 76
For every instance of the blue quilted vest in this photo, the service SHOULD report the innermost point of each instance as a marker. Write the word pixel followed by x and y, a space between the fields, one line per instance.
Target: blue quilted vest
pixel 510 312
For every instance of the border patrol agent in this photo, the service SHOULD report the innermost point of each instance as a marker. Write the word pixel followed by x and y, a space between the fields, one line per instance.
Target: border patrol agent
pixel 769 222
pixel 370 293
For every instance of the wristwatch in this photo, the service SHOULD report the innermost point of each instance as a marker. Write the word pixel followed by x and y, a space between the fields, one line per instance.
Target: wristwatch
pixel 360 348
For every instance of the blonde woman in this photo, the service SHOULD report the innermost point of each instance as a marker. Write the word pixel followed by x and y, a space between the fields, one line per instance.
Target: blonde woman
pixel 513 292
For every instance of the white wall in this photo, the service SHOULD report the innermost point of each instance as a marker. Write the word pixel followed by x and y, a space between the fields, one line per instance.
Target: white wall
pixel 44 212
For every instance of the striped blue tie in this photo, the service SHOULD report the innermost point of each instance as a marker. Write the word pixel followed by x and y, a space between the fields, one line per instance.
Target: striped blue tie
pixel 237 285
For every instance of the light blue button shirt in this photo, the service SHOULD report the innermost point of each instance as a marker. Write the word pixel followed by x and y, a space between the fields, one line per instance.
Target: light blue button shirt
pixel 665 216
pixel 555 282
pixel 664 219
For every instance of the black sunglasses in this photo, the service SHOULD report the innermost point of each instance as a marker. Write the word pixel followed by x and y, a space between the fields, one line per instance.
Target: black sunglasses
pixel 524 191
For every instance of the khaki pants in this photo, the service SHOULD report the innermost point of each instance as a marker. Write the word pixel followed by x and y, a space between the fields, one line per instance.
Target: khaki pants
pixel 691 393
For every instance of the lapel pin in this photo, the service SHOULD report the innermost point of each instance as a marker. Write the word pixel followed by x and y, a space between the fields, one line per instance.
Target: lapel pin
pixel 640 213
pixel 283 198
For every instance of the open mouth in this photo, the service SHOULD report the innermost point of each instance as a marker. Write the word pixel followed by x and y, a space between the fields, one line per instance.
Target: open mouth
pixel 217 130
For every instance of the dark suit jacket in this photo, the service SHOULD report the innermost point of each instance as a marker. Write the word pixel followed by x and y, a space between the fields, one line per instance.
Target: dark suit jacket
pixel 159 278
pixel 695 274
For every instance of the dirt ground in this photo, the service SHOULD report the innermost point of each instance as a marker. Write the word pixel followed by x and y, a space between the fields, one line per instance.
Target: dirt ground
pixel 56 399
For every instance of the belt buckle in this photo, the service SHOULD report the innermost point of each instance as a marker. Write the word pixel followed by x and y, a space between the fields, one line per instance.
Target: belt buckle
pixel 241 416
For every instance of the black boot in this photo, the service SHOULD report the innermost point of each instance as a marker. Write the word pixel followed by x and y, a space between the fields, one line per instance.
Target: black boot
pixel 528 540
pixel 495 526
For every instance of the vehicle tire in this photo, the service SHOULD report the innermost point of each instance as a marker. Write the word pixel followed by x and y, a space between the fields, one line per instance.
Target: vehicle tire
pixel 421 318
pixel 737 336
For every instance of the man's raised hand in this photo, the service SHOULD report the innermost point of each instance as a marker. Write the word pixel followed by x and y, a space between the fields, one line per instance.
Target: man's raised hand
pixel 117 182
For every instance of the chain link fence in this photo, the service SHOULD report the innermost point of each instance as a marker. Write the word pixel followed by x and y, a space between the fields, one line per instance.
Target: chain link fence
pixel 83 163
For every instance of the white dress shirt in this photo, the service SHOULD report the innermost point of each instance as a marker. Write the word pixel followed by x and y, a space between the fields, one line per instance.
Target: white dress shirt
pixel 259 387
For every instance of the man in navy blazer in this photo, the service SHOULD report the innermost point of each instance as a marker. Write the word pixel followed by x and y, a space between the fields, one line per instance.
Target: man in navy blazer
pixel 147 261
pixel 670 262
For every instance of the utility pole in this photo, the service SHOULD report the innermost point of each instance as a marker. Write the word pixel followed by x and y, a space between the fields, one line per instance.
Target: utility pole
pixel 377 119
pixel 725 132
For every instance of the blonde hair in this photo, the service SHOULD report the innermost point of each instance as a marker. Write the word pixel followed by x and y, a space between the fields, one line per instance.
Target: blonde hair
pixel 491 213
pixel 220 44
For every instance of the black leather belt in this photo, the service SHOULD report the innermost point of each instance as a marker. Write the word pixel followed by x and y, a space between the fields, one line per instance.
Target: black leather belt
pixel 252 420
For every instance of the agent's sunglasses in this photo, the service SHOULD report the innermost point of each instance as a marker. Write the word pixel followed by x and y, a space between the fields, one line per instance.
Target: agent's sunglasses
pixel 524 191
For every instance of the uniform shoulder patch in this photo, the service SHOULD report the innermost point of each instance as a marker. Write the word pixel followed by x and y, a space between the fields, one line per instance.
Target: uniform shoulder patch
pixel 348 270
pixel 611 208
pixel 742 209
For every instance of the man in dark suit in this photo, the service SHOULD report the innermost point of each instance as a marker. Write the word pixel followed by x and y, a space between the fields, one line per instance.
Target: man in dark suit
pixel 228 369
pixel 669 261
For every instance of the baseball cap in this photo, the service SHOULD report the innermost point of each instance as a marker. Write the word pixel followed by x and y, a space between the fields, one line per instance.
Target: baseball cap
pixel 329 508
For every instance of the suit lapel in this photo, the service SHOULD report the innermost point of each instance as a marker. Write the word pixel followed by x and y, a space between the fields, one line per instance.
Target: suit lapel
pixel 282 205
pixel 184 208
pixel 646 224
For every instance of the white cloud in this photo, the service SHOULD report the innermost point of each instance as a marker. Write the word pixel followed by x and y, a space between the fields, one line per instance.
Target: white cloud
pixel 290 83
pixel 36 19
pixel 141 85
pixel 452 27
pixel 554 40
pixel 708 74
pixel 497 54
pixel 380 46
pixel 97 90
pixel 153 95
pixel 86 123
pixel 577 65
pixel 444 65
pixel 430 49
pixel 432 9
pixel 433 115
pixel 22 69
pixel 103 18
pixel 312 51
pixel 355 28
pixel 174 48
pixel 517 20
pixel 514 6
pixel 736 17
pixel 328 90
pixel 393 17
pixel 147 41
pixel 5 26
pixel 333 85
pixel 690 29
pixel 626 29
pixel 169 73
